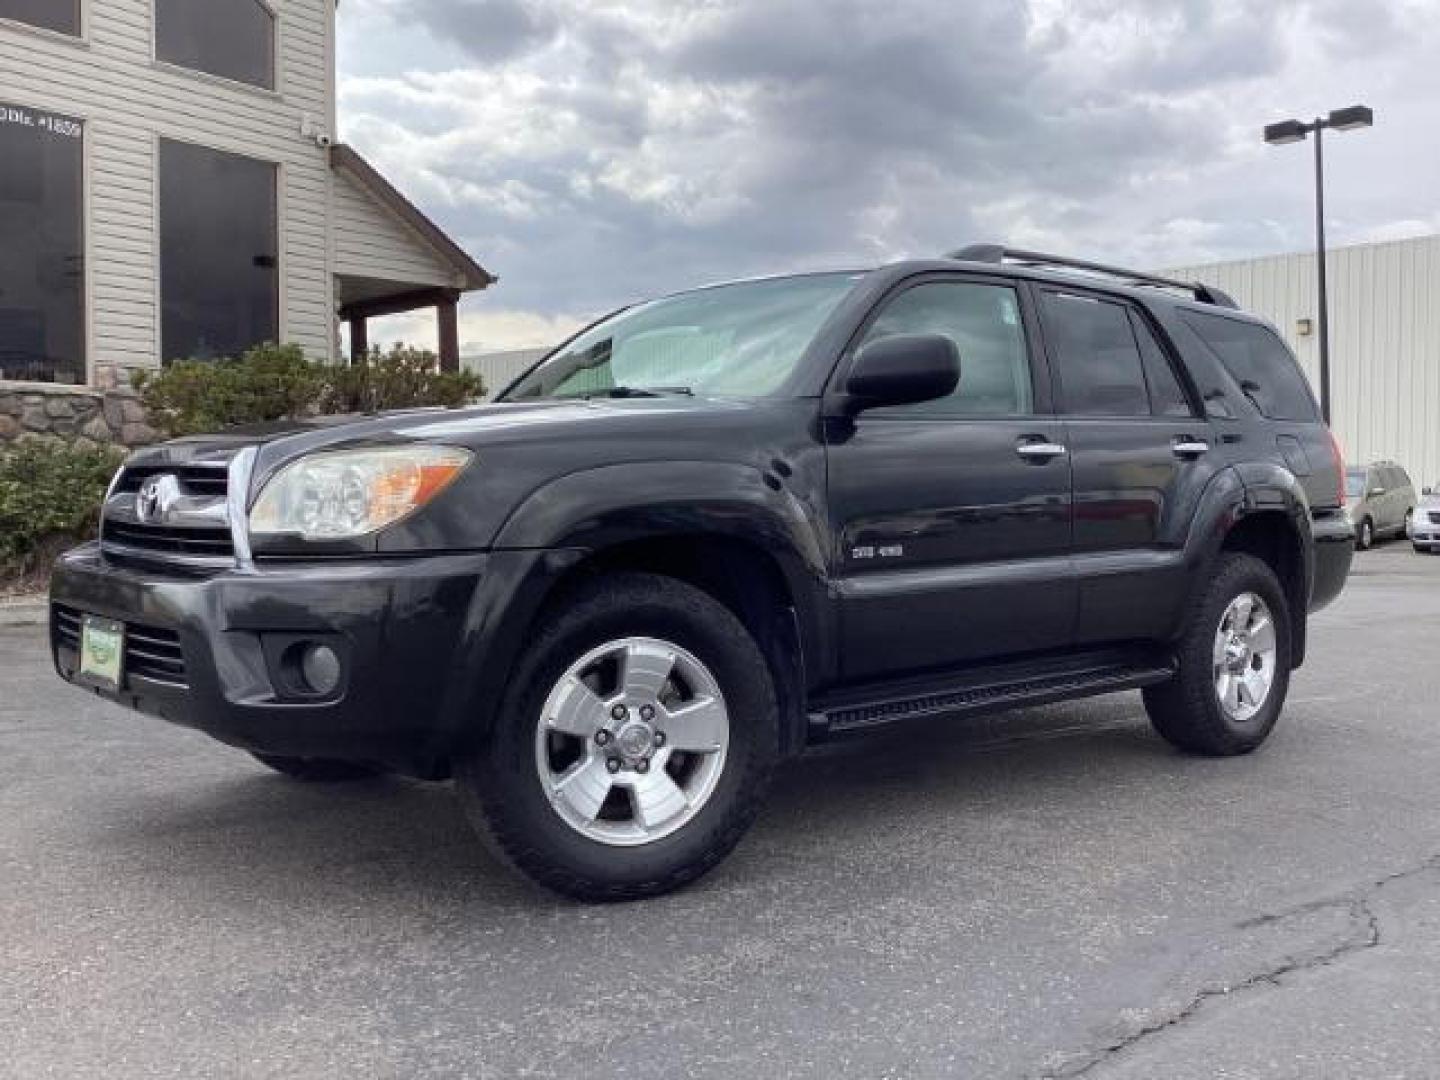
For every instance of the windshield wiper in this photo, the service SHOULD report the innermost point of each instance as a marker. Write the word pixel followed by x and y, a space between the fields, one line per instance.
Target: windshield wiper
pixel 642 392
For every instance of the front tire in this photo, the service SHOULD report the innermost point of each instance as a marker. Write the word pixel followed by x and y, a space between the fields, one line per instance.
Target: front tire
pixel 1365 535
pixel 1234 657
pixel 634 746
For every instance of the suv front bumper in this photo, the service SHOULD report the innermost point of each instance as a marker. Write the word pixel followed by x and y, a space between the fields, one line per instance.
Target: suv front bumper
pixel 211 652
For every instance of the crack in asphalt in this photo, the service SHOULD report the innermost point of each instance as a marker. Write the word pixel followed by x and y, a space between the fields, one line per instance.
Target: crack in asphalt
pixel 1366 935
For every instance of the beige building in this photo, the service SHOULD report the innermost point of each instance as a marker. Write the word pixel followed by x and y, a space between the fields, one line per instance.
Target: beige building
pixel 1384 339
pixel 170 187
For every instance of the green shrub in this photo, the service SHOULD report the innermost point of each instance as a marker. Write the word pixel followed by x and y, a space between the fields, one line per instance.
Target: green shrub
pixel 400 379
pixel 49 491
pixel 277 382
pixel 269 382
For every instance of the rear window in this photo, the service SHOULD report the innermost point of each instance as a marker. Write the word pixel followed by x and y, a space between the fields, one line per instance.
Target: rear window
pixel 1260 362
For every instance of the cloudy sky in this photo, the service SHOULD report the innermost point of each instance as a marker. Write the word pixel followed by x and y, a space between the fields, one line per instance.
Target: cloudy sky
pixel 592 152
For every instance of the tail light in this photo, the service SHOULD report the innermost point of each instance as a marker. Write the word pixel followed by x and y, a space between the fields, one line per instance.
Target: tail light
pixel 1338 453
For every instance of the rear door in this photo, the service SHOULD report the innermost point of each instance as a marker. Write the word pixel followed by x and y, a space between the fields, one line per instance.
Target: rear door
pixel 1141 456
pixel 952 517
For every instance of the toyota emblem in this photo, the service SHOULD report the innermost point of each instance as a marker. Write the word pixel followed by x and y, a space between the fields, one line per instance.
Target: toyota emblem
pixel 155 498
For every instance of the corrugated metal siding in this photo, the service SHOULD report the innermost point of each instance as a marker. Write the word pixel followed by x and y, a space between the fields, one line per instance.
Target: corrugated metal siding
pixel 127 102
pixel 1384 339
pixel 500 369
pixel 371 242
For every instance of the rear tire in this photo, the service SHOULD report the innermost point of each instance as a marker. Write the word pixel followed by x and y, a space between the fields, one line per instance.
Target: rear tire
pixel 317 770
pixel 1234 664
pixel 627 656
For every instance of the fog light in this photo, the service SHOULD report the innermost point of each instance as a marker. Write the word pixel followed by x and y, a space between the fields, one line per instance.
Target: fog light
pixel 320 667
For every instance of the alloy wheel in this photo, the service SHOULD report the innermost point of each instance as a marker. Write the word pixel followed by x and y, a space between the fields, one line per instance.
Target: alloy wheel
pixel 1244 657
pixel 631 741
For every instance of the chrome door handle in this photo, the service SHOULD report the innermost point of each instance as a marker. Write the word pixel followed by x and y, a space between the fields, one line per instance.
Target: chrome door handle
pixel 1039 451
pixel 1185 448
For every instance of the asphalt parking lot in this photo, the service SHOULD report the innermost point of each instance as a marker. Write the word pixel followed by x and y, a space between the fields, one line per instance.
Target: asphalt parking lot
pixel 1048 893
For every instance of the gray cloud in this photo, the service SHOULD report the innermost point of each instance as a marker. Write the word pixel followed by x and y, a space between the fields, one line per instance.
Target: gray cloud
pixel 489 30
pixel 590 151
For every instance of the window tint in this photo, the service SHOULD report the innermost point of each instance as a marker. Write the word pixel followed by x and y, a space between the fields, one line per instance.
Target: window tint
pixel 42 251
pixel 61 15
pixel 1259 361
pixel 984 322
pixel 218 270
pixel 231 38
pixel 1094 348
pixel 1167 397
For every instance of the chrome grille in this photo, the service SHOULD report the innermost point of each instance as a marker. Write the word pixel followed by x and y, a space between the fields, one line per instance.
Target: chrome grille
pixel 192 532
pixel 151 652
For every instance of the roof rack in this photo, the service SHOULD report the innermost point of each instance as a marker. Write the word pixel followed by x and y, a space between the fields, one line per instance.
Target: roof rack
pixel 998 253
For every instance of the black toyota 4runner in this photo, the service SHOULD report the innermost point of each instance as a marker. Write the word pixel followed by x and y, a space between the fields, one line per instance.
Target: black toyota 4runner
pixel 715 528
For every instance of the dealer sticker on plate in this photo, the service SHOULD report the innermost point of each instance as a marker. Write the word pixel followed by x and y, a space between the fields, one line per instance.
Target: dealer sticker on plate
pixel 102 643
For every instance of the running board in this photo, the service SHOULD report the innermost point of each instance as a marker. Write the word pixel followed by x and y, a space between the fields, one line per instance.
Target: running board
pixel 982 696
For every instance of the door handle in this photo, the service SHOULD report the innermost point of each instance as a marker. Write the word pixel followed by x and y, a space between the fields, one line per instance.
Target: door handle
pixel 1189 448
pixel 1039 451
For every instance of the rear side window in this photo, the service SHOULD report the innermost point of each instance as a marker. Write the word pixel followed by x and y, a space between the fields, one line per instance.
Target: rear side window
pixel 1167 397
pixel 1101 373
pixel 1260 362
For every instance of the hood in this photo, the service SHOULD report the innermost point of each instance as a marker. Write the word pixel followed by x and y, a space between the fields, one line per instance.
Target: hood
pixel 476 427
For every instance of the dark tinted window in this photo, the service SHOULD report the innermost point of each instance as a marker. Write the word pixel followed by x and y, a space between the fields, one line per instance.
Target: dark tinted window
pixel 218 271
pixel 1259 361
pixel 232 38
pixel 1167 397
pixel 984 322
pixel 61 15
pixel 1094 348
pixel 42 260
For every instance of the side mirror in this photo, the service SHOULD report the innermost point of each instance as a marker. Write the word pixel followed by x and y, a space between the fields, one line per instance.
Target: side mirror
pixel 900 370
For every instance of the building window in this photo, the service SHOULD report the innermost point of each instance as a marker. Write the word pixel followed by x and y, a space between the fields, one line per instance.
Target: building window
pixel 218 267
pixel 42 268
pixel 234 39
pixel 62 16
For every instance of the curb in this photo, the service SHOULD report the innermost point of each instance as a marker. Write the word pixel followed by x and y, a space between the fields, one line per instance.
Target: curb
pixel 31 610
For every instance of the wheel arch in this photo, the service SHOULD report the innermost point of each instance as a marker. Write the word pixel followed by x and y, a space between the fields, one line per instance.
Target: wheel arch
pixel 735 532
pixel 1261 510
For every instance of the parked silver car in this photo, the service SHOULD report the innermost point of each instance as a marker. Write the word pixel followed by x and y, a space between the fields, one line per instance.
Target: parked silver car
pixel 1381 501
pixel 1425 522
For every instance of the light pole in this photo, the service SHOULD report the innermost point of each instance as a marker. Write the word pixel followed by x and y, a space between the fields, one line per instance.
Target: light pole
pixel 1291 131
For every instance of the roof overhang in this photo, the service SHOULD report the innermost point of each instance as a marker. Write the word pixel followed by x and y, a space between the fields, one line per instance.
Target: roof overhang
pixel 470 273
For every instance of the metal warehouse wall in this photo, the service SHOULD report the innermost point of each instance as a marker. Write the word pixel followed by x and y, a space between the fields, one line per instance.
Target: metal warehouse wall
pixel 500 369
pixel 1384 340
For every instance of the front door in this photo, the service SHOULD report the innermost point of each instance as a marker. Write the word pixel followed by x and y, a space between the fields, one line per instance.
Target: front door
pixel 1141 456
pixel 952 517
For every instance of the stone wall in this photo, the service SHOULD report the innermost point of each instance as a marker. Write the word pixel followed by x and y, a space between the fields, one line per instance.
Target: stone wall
pixel 75 413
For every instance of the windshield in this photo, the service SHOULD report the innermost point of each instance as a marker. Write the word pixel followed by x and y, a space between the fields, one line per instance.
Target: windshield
pixel 739 340
pixel 1355 484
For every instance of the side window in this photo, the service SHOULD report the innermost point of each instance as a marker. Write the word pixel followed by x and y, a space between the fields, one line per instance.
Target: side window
pixel 1167 397
pixel 1094 348
pixel 984 322
pixel 62 16
pixel 234 39
pixel 1260 362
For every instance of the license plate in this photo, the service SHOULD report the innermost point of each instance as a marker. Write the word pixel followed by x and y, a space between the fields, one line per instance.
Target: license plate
pixel 102 644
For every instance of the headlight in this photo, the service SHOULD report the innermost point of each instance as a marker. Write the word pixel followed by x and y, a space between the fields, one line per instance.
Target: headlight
pixel 348 493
